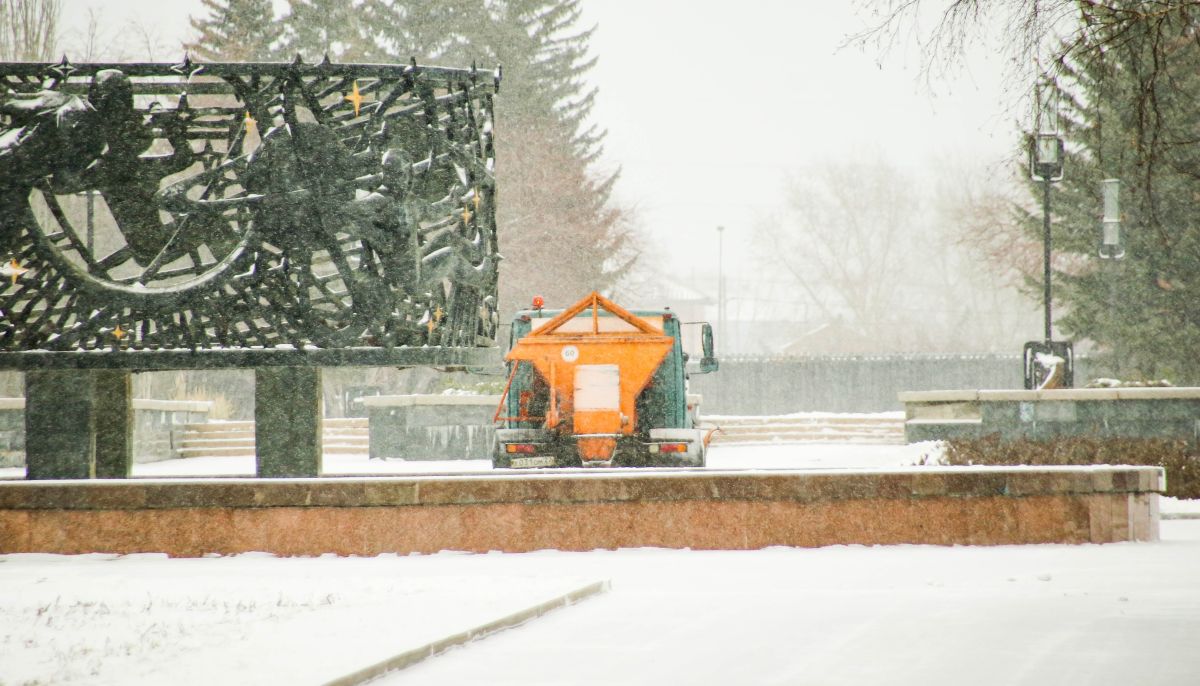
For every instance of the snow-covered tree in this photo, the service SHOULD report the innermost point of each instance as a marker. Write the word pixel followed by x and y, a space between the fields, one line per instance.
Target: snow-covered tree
pixel 315 29
pixel 236 31
pixel 560 232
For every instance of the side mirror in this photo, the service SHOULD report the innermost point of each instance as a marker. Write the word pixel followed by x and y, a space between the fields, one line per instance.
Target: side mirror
pixel 708 363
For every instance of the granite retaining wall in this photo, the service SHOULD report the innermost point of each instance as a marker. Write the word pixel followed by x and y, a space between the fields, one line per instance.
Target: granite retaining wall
pixel 700 509
pixel 1171 412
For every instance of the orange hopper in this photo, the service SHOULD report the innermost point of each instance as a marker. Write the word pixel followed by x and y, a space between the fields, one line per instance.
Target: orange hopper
pixel 594 372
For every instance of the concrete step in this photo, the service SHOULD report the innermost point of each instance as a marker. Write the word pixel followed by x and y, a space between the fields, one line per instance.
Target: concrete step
pixel 210 451
pixel 721 437
pixel 346 422
pixel 248 425
pixel 848 428
pixel 236 435
pixel 819 419
pixel 189 434
pixel 206 442
pixel 816 432
pixel 809 438
pixel 342 435
pixel 771 428
pixel 220 426
pixel 346 440
pixel 248 450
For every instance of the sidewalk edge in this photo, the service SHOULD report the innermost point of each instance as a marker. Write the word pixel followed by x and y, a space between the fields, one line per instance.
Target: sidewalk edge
pixel 415 655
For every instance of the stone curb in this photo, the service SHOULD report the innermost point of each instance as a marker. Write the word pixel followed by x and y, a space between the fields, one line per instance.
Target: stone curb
pixel 411 657
pixel 574 488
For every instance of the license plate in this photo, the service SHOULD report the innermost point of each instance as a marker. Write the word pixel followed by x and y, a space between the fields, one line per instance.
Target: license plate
pixel 535 461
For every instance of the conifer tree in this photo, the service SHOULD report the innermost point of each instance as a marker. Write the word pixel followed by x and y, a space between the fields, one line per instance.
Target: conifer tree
pixel 315 29
pixel 560 232
pixel 236 31
pixel 1127 72
pixel 1130 115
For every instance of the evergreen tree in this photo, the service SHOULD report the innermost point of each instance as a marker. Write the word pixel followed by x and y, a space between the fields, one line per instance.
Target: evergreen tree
pixel 1130 115
pixel 237 31
pixel 559 231
pixel 315 29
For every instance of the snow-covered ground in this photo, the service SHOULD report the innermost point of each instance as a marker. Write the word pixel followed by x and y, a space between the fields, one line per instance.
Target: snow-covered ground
pixel 759 456
pixel 248 619
pixel 1115 614
pixel 1126 613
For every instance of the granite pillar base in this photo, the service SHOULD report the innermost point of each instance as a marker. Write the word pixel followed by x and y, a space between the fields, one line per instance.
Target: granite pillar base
pixel 78 424
pixel 287 421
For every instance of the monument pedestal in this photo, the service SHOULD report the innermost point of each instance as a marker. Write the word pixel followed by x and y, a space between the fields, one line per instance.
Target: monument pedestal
pixel 79 409
pixel 78 424
pixel 287 421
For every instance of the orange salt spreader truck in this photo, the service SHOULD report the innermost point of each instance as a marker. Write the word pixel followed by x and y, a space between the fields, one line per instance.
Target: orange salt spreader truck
pixel 595 385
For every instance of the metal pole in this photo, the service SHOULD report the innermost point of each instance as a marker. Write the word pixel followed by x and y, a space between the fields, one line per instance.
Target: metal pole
pixel 721 285
pixel 1113 303
pixel 1046 253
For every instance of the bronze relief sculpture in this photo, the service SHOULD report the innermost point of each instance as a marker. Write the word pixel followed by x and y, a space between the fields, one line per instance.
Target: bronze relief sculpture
pixel 213 206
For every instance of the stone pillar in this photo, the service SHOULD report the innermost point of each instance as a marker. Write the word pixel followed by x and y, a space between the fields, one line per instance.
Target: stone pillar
pixel 78 424
pixel 113 407
pixel 60 424
pixel 287 421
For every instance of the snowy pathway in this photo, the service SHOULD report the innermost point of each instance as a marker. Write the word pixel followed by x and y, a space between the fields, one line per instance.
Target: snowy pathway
pixel 1115 614
pixel 1126 613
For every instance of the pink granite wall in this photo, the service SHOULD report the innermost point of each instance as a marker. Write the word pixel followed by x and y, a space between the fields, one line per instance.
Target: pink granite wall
pixel 367 518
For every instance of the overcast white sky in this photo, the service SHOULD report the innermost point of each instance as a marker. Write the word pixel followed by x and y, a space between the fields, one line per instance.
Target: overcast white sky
pixel 709 104
pixel 708 107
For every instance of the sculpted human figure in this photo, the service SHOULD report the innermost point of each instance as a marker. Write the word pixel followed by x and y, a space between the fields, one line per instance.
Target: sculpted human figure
pixel 262 214
pixel 97 143
pixel 47 137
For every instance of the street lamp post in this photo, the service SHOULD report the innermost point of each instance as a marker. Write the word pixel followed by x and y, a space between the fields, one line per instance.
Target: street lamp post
pixel 1046 164
pixel 1047 179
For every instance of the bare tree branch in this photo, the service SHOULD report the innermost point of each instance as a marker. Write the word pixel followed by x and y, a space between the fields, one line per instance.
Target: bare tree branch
pixel 29 29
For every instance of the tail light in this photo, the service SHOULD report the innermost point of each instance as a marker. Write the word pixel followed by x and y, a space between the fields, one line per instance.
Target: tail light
pixel 523 448
pixel 668 447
